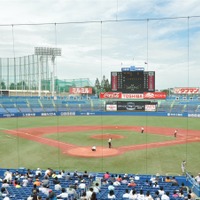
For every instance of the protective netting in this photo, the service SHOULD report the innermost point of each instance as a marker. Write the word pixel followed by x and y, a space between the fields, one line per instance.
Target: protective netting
pixel 92 49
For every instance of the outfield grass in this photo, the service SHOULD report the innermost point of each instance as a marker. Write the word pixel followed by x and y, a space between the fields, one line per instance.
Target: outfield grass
pixel 18 152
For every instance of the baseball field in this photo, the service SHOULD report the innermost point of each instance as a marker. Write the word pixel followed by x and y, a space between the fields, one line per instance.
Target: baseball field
pixel 65 143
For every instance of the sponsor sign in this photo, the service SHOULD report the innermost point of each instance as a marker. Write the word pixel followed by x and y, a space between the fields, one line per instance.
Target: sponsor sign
pixel 67 113
pixel 186 90
pixel 194 115
pixel 80 90
pixel 174 114
pixel 111 107
pixel 135 106
pixel 155 95
pixel 110 95
pixel 132 96
pixel 150 108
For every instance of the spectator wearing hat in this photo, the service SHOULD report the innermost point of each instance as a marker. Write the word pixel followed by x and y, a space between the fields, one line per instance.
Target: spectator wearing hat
pixel 131 183
pixel 38 172
pixel 82 185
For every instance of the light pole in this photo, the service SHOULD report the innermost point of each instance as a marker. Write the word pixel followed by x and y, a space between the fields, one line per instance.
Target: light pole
pixel 52 53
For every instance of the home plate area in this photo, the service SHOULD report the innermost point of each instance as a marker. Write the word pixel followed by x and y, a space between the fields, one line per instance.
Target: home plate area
pixel 87 152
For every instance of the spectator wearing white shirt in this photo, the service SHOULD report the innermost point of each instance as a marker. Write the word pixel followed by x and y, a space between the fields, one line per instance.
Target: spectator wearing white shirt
pixel 38 172
pixel 57 186
pixel 133 195
pixel 96 188
pixel 126 194
pixel 5 183
pixel 82 185
pixel 111 194
pixel 89 192
pixel 8 175
pixel 59 175
pixel 111 187
pixel 63 195
pixel 165 196
pixel 25 182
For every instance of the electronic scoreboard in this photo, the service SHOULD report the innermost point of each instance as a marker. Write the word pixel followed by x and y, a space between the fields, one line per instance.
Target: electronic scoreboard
pixel 133 81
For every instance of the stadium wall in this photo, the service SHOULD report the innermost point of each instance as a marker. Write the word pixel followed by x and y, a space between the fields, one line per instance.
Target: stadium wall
pixel 98 113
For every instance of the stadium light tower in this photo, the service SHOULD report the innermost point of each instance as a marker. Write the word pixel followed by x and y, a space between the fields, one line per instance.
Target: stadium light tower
pixel 52 53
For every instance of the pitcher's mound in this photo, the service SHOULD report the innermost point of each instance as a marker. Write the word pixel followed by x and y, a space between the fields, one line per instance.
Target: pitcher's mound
pixel 87 152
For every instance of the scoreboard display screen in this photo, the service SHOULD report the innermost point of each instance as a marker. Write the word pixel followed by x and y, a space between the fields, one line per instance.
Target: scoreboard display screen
pixel 133 81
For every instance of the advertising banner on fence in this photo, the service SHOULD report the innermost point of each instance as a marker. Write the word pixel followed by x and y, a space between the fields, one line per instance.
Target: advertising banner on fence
pixel 186 90
pixel 150 107
pixel 110 95
pixel 155 95
pixel 132 96
pixel 136 106
pixel 111 107
pixel 80 90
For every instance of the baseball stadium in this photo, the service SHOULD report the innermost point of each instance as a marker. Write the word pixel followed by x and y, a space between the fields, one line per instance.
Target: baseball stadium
pixel 56 119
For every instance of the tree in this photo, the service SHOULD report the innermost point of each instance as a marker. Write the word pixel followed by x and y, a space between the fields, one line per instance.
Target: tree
pixel 12 86
pixel 166 91
pixel 107 86
pixel 3 86
pixel 97 83
pixel 103 81
pixel 22 85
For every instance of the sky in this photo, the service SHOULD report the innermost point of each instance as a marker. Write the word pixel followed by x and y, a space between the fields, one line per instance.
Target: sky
pixel 101 36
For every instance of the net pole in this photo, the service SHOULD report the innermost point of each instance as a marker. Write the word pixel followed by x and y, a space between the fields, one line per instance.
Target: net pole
pixel 147 56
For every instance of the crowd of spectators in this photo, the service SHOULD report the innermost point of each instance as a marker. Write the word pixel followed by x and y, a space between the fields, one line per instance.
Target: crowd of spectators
pixel 51 185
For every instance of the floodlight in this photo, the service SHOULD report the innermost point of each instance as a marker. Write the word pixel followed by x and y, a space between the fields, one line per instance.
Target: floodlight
pixel 47 51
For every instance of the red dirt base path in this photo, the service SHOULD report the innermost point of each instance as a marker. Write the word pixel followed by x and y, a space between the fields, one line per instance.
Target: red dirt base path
pixel 36 134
